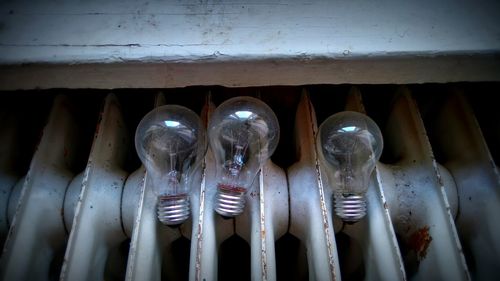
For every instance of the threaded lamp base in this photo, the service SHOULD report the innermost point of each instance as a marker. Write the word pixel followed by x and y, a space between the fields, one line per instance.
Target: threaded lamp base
pixel 173 209
pixel 350 208
pixel 229 200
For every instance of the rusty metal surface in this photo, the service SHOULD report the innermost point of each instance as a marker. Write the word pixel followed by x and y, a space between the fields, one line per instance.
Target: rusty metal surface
pixel 417 199
pixel 209 230
pixel 309 211
pixel 265 220
pixel 376 233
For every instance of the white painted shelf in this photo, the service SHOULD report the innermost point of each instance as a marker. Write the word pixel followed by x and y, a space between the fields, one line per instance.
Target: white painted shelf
pixel 110 44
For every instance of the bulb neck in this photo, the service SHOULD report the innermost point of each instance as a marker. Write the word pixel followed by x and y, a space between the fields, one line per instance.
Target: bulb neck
pixel 229 200
pixel 173 209
pixel 351 207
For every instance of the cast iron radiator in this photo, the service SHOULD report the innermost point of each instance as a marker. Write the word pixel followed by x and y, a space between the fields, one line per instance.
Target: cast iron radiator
pixel 74 205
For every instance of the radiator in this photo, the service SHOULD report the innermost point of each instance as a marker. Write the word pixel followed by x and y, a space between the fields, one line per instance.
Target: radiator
pixel 76 205
pixel 76 77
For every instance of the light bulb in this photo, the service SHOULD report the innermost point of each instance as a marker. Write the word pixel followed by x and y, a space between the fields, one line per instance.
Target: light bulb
pixel 349 145
pixel 243 134
pixel 171 142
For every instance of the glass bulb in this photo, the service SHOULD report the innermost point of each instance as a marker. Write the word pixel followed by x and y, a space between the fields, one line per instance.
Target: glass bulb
pixel 171 142
pixel 349 145
pixel 243 134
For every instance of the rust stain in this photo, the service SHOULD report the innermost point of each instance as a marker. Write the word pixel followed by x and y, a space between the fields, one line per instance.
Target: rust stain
pixel 419 242
pixel 231 188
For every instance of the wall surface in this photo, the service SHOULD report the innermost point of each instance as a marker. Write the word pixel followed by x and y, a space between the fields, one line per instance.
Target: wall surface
pixel 114 44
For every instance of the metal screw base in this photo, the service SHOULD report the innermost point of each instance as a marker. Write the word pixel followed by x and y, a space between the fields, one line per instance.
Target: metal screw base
pixel 229 202
pixel 350 208
pixel 173 209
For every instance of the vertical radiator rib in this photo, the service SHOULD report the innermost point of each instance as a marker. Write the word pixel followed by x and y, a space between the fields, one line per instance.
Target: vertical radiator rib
pixel 100 198
pixel 37 235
